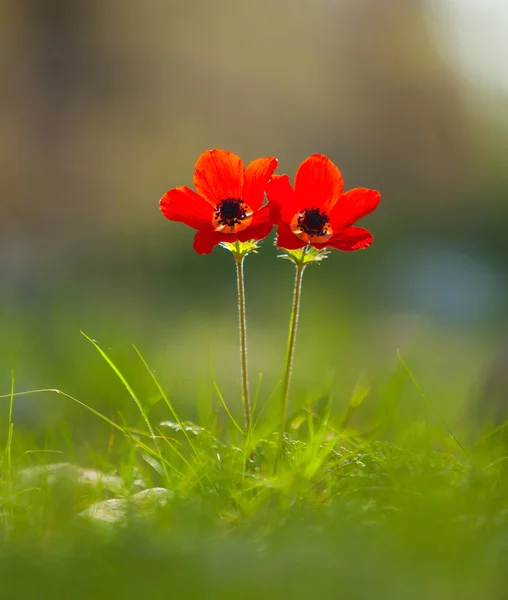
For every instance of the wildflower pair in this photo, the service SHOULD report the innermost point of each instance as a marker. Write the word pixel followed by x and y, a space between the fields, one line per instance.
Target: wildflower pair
pixel 311 216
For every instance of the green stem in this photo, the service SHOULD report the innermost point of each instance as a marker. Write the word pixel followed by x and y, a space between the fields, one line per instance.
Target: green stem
pixel 290 351
pixel 239 258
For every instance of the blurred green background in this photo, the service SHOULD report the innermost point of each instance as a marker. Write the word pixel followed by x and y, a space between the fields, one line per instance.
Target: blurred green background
pixel 106 105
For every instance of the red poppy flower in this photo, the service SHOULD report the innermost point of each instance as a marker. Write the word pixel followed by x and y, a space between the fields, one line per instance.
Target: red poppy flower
pixel 316 211
pixel 226 206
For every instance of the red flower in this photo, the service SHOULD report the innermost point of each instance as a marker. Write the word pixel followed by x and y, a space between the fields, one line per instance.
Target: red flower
pixel 316 211
pixel 227 205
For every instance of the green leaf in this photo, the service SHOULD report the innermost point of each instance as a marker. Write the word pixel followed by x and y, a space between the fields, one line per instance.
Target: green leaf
pixel 240 249
pixel 306 255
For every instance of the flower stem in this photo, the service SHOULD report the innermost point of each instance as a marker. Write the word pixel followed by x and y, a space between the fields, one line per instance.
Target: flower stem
pixel 239 258
pixel 290 351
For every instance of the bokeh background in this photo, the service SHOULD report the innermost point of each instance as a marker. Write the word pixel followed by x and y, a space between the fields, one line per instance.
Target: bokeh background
pixel 106 105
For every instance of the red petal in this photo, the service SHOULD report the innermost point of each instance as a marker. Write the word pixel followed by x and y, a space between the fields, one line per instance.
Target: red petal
pixel 257 174
pixel 219 175
pixel 185 206
pixel 287 239
pixel 206 240
pixel 260 227
pixel 349 239
pixel 318 183
pixel 281 199
pixel 352 206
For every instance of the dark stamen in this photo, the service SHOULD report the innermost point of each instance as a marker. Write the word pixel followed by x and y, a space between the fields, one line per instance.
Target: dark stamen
pixel 313 222
pixel 230 212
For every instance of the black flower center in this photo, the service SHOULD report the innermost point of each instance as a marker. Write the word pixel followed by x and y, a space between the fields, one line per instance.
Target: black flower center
pixel 313 221
pixel 230 212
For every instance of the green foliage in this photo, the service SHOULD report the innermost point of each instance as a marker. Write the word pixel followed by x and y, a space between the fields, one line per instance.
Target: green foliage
pixel 240 249
pixel 305 256
pixel 198 512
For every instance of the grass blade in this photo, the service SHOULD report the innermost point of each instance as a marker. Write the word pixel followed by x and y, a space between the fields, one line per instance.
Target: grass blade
pixel 124 381
pixel 226 408
pixel 166 399
pixel 101 416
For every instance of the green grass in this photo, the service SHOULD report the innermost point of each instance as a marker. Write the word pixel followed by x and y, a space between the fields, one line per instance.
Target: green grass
pixel 365 502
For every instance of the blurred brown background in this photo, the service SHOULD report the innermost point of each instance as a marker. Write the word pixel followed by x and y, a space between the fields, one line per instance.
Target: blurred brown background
pixel 107 104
